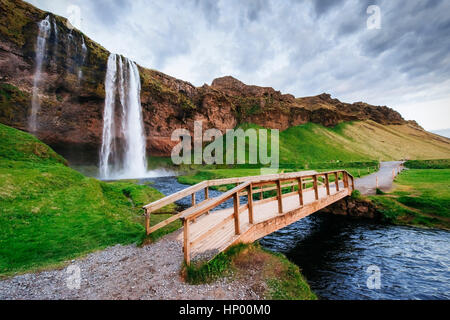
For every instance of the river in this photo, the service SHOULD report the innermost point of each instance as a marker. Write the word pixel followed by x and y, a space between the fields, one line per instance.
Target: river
pixel 335 252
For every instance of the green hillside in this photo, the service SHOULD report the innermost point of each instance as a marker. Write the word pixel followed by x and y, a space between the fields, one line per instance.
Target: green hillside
pixel 50 213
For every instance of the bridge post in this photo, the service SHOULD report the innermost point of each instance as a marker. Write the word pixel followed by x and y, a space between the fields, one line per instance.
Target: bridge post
pixel 250 203
pixel 207 197
pixel 279 196
pixel 187 243
pixel 147 222
pixel 345 179
pixel 327 183
pixel 336 175
pixel 300 191
pixel 193 199
pixel 316 188
pixel 237 226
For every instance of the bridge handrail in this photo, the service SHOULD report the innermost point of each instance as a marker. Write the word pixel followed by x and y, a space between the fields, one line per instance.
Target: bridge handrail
pixel 243 183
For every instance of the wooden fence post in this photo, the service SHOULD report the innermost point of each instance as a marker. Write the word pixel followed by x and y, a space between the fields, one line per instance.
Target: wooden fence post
pixel 336 175
pixel 316 188
pixel 147 222
pixel 193 199
pixel 345 177
pixel 207 197
pixel 187 243
pixel 279 196
pixel 300 191
pixel 250 203
pixel 327 183
pixel 237 226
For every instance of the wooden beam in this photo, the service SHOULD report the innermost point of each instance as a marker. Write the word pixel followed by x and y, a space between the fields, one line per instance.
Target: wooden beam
pixel 327 183
pixel 336 176
pixel 147 222
pixel 300 191
pixel 345 179
pixel 207 196
pixel 165 223
pixel 316 189
pixel 187 243
pixel 237 226
pixel 250 203
pixel 193 199
pixel 279 196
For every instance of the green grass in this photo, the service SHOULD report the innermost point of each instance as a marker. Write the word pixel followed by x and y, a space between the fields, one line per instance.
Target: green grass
pixel 421 197
pixel 428 164
pixel 283 280
pixel 50 213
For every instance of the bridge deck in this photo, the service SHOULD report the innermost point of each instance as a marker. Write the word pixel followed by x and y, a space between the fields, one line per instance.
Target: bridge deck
pixel 263 211
pixel 208 230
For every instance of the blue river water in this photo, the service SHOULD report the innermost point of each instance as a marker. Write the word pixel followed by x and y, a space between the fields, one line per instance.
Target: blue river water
pixel 334 254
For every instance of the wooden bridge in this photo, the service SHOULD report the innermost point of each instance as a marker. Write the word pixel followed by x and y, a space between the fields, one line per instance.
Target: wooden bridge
pixel 276 201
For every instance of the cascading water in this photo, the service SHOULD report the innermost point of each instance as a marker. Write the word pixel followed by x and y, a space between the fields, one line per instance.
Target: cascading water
pixel 123 148
pixel 83 58
pixel 41 43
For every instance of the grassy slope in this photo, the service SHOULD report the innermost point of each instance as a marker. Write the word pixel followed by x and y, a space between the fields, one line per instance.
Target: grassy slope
pixel 421 197
pixel 50 213
pixel 359 141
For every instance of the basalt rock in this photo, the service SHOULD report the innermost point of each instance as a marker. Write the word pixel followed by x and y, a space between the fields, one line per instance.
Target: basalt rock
pixel 71 114
pixel 356 208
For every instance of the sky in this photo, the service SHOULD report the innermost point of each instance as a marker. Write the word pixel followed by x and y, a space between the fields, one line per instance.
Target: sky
pixel 383 52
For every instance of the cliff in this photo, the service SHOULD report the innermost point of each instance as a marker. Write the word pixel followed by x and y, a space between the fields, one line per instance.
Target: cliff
pixel 71 113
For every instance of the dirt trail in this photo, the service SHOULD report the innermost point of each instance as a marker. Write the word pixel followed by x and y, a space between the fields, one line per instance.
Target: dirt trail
pixel 367 184
pixel 127 272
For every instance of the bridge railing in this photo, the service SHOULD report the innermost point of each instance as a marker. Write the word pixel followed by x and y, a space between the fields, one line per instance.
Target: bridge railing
pixel 297 182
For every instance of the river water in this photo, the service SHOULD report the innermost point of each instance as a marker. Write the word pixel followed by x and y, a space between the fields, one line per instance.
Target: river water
pixel 335 252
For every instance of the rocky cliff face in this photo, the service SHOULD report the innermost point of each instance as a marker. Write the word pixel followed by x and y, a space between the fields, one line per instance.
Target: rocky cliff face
pixel 71 114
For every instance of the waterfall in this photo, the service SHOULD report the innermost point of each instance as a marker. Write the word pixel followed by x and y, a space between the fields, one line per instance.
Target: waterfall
pixel 123 151
pixel 41 42
pixel 83 58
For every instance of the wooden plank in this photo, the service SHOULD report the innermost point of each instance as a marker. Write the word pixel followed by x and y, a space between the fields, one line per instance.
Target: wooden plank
pixel 327 183
pixel 300 191
pixel 250 204
pixel 212 203
pixel 316 189
pixel 193 199
pixel 175 197
pixel 165 223
pixel 237 226
pixel 280 197
pixel 212 230
pixel 336 181
pixel 147 222
pixel 187 243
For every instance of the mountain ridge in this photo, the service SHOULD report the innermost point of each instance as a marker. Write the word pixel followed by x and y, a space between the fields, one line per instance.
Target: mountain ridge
pixel 71 114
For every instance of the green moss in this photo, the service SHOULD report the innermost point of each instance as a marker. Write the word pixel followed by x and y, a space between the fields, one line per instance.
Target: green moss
pixel 421 197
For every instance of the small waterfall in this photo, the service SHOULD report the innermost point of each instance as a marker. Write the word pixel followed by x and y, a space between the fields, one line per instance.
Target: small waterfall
pixel 123 151
pixel 55 29
pixel 41 42
pixel 83 58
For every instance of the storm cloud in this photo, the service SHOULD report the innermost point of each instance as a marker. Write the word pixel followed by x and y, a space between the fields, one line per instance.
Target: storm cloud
pixel 300 47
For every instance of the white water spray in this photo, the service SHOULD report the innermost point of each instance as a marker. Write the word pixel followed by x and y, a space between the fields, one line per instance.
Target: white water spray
pixel 83 58
pixel 126 159
pixel 41 42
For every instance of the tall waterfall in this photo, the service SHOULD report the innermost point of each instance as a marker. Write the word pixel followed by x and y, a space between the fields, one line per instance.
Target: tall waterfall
pixel 41 43
pixel 123 151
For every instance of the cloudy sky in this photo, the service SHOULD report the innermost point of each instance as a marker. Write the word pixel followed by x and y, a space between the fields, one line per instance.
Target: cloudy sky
pixel 300 47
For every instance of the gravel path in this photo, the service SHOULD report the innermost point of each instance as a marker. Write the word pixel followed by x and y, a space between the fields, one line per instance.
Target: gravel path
pixel 367 184
pixel 125 272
